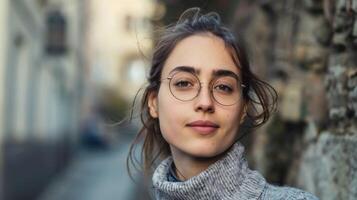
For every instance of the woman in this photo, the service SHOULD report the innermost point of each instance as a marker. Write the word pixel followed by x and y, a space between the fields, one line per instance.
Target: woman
pixel 200 92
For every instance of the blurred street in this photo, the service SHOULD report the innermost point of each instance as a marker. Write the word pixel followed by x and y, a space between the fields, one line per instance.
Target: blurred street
pixel 95 174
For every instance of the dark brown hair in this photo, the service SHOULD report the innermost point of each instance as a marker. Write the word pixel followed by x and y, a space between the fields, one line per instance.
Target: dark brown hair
pixel 259 97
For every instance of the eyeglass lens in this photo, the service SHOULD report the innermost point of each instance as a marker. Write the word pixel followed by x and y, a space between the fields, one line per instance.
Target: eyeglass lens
pixel 185 86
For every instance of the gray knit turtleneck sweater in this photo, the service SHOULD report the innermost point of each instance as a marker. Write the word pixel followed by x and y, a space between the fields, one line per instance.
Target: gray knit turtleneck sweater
pixel 227 179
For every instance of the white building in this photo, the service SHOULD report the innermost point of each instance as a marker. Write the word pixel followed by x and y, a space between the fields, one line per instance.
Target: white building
pixel 40 93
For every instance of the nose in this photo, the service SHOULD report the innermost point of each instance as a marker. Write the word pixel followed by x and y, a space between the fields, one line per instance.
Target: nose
pixel 204 101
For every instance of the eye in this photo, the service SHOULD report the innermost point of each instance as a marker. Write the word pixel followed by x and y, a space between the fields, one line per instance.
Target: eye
pixel 223 88
pixel 183 84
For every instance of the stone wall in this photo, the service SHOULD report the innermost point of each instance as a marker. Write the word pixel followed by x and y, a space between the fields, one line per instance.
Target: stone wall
pixel 308 51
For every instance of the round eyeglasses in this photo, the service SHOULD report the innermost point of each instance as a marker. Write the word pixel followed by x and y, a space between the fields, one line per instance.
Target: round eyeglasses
pixel 225 90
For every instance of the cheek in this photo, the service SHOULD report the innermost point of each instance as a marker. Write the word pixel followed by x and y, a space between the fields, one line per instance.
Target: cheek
pixel 167 105
pixel 232 113
pixel 170 117
pixel 232 119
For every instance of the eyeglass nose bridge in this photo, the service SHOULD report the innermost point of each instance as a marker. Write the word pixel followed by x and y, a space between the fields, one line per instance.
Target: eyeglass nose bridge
pixel 210 90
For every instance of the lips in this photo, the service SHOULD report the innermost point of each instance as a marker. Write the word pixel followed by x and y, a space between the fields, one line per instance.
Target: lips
pixel 203 127
pixel 203 124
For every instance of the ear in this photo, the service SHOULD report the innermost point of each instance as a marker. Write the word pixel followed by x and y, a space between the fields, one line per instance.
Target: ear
pixel 153 105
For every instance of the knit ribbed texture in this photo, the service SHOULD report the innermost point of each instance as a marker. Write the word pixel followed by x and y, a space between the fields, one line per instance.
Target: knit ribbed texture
pixel 227 179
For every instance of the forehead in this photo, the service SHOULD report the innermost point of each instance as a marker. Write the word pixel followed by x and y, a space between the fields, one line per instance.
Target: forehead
pixel 204 52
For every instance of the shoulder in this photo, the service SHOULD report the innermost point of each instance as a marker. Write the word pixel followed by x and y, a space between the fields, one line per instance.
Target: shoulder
pixel 276 192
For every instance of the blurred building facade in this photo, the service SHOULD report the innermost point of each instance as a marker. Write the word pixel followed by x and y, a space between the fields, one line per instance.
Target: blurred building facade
pixel 42 74
pixel 119 43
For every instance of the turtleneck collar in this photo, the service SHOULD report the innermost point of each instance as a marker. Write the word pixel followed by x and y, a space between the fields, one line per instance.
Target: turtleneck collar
pixel 227 178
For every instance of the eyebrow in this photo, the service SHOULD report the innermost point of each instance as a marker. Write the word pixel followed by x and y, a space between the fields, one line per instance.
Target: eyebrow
pixel 224 72
pixel 185 69
pixel 215 73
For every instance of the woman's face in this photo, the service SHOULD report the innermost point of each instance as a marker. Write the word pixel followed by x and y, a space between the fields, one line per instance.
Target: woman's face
pixel 200 127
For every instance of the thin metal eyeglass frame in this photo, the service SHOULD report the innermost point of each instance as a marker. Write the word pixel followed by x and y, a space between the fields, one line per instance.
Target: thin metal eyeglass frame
pixel 170 77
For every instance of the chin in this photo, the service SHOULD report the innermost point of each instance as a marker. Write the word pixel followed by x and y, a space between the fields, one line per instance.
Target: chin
pixel 205 151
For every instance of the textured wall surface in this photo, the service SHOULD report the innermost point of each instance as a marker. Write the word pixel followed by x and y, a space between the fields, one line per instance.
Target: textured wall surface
pixel 308 50
pixel 329 165
pixel 329 168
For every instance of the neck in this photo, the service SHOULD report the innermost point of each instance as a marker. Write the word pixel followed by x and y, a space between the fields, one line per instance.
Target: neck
pixel 227 177
pixel 187 166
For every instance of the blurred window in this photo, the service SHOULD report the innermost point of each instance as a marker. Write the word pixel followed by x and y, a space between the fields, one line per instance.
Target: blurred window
pixel 136 72
pixel 133 24
pixel 56 33
pixel 129 23
pixel 42 3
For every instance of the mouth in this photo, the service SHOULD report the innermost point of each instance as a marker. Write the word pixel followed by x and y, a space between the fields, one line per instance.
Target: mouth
pixel 203 127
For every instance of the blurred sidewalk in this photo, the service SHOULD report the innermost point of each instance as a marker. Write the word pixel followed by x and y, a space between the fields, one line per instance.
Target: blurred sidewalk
pixel 95 174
